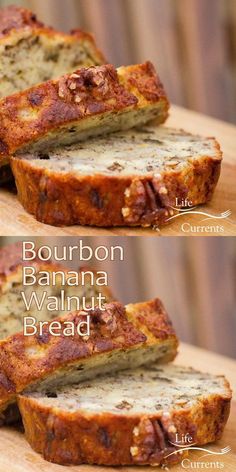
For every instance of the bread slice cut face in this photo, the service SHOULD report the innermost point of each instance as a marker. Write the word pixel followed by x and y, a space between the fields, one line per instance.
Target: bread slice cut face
pixel 31 53
pixel 119 337
pixel 135 417
pixel 132 178
pixel 89 102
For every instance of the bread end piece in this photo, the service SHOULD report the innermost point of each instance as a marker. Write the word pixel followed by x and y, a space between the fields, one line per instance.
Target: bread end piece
pixel 88 102
pixel 119 337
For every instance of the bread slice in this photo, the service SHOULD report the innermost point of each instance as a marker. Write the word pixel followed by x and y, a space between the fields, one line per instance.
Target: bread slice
pixel 119 337
pixel 12 305
pixel 13 308
pixel 127 418
pixel 31 53
pixel 89 102
pixel 128 178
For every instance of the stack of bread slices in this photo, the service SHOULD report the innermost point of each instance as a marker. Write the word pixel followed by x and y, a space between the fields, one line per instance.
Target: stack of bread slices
pixel 84 140
pixel 111 398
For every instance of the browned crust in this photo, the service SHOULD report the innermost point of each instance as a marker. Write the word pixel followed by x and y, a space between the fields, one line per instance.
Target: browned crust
pixel 99 200
pixel 86 93
pixel 15 18
pixel 106 439
pixel 145 80
pixel 154 327
pixel 110 330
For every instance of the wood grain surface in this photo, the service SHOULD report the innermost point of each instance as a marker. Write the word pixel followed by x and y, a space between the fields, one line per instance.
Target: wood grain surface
pixel 17 456
pixel 15 221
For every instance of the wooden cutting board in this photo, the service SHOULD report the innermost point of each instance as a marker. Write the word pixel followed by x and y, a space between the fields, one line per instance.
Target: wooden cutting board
pixel 14 220
pixel 17 456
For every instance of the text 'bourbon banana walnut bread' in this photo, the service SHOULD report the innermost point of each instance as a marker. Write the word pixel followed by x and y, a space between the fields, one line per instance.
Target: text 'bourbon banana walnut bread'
pixel 130 178
pixel 120 337
pixel 130 418
pixel 12 305
pixel 91 101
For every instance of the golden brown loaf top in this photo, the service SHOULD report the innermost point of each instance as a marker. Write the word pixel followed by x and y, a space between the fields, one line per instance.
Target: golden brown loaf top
pixel 130 178
pixel 88 102
pixel 14 18
pixel 127 418
pixel 119 337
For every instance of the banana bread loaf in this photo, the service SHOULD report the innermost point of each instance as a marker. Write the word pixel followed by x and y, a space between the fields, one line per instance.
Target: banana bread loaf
pixel 89 102
pixel 119 337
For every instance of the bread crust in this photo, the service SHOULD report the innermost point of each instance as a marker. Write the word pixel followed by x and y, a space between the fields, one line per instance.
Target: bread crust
pixel 14 18
pixel 109 439
pixel 27 360
pixel 102 200
pixel 80 97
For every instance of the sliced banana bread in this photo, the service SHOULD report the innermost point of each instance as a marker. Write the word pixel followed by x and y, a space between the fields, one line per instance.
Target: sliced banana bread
pixel 12 306
pixel 89 102
pixel 31 53
pixel 129 418
pixel 128 178
pixel 119 337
